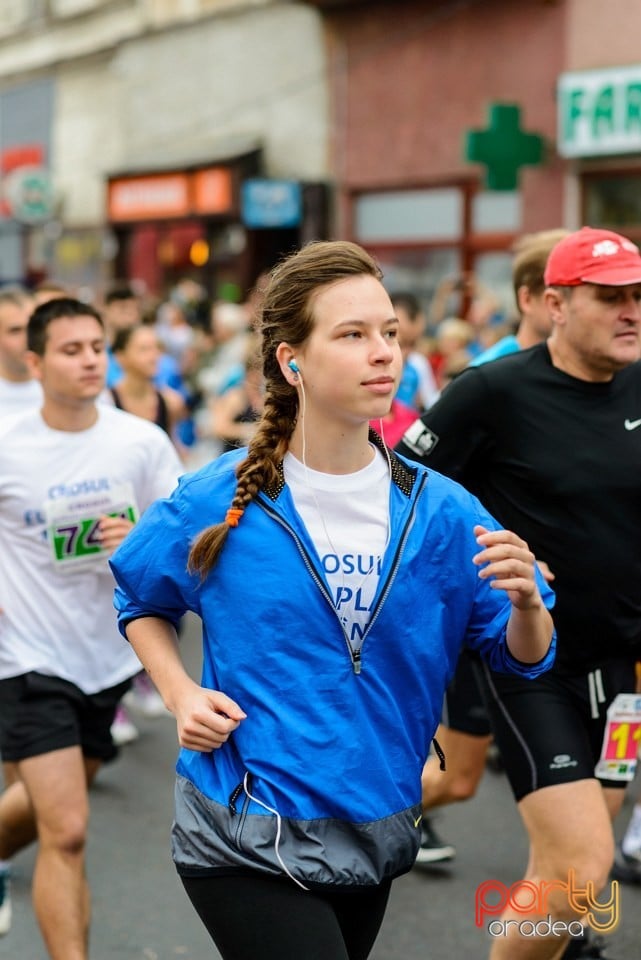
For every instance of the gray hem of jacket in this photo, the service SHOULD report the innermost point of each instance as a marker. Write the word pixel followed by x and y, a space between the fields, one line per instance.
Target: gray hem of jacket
pixel 207 835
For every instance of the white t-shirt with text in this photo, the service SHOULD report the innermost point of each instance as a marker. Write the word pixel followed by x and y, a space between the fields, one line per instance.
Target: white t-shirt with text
pixel 347 517
pixel 56 588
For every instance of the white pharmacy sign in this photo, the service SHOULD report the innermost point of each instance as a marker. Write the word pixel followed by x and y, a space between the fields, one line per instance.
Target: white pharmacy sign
pixel 599 112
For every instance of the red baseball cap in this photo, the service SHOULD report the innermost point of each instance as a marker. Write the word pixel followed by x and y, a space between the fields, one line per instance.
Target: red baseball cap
pixel 593 256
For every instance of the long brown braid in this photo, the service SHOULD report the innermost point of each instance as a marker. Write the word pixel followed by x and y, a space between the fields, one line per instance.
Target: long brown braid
pixel 287 317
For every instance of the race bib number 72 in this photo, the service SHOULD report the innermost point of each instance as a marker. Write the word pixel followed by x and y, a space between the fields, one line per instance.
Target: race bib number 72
pixel 73 526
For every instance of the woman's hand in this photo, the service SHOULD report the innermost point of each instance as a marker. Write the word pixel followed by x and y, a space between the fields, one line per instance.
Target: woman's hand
pixel 205 718
pixel 509 563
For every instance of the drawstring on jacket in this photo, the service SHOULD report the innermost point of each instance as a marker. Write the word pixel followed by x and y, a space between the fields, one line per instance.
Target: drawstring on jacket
pixel 440 753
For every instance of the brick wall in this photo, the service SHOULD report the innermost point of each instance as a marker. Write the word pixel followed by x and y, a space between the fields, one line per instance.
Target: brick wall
pixel 409 78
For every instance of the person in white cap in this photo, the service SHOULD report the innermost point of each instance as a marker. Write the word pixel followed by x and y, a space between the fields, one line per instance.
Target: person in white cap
pixel 549 439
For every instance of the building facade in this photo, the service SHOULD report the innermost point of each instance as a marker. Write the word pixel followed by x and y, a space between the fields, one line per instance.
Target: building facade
pixel 412 83
pixel 150 138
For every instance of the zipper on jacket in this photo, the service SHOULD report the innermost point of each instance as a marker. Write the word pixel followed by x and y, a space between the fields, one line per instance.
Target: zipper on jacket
pixel 382 597
pixel 317 580
pixel 356 659
pixel 356 656
pixel 233 798
pixel 233 809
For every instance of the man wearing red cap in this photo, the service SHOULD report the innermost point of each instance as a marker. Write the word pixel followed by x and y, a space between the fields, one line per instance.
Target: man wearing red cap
pixel 549 439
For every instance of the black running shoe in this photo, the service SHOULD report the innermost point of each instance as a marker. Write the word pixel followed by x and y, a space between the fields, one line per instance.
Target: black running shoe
pixel 432 848
pixel 590 945
pixel 626 869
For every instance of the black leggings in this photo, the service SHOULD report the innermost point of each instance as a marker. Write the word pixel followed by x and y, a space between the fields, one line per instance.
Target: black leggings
pixel 252 917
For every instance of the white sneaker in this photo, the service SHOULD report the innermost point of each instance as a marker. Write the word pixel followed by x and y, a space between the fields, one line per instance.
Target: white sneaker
pixel 122 729
pixel 144 699
pixel 631 844
pixel 5 902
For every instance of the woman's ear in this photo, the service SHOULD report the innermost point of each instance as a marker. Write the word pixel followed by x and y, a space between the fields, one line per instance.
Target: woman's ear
pixel 287 362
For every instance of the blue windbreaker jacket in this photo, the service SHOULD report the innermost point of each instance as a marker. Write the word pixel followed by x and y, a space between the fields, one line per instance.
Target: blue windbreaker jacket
pixel 322 780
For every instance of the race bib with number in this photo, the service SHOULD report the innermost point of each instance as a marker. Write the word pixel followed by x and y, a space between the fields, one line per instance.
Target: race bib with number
pixel 621 738
pixel 73 525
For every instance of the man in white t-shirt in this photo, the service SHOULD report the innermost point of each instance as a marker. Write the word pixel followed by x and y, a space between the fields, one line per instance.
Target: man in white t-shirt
pixel 74 477
pixel 18 389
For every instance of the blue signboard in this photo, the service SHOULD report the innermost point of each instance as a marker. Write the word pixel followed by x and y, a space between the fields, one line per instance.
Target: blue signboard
pixel 271 203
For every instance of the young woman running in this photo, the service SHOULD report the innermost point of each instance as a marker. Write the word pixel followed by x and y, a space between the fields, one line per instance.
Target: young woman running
pixel 336 583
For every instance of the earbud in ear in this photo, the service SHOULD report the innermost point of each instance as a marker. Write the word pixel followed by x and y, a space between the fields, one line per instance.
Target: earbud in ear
pixel 293 366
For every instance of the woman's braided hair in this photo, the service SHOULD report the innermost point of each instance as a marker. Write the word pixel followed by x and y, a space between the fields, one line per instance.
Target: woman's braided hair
pixel 287 316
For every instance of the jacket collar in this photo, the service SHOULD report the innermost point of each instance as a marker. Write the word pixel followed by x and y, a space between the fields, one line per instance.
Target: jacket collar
pixel 403 475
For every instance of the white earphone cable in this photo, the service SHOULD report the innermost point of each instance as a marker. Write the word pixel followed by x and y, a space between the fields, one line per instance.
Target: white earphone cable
pixel 279 821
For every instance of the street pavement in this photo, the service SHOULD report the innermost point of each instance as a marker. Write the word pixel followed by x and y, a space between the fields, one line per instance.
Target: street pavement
pixel 140 911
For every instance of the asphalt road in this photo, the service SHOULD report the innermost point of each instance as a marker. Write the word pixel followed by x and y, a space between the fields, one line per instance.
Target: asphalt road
pixel 141 913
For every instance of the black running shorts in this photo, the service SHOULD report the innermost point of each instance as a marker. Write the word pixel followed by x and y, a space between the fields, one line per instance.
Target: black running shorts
pixel 464 708
pixel 550 730
pixel 39 714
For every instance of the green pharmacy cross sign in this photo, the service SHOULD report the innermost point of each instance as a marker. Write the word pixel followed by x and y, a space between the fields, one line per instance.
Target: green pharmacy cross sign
pixel 504 147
